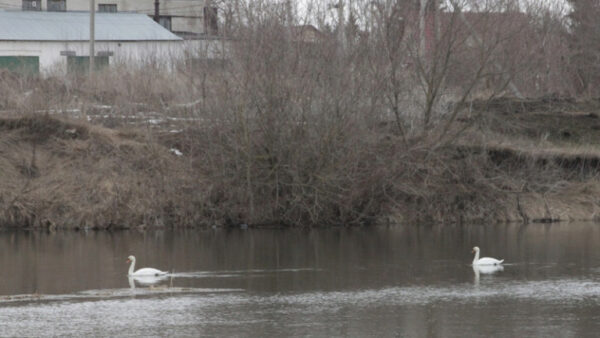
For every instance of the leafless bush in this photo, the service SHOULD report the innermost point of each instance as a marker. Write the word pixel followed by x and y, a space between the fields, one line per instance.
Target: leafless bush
pixel 321 132
pixel 339 125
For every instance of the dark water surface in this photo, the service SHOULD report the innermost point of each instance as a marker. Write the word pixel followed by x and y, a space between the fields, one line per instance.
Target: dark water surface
pixel 395 281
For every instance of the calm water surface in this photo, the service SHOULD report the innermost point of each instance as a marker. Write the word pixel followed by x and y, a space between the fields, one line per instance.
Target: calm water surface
pixel 405 281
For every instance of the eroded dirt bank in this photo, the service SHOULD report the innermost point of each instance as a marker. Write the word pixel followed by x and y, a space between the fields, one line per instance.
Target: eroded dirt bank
pixel 60 173
pixel 518 161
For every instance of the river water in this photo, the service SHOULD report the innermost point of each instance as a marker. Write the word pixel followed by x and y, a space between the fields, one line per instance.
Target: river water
pixel 407 281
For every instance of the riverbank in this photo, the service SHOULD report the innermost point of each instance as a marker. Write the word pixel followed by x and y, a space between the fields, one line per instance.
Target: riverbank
pixel 65 173
pixel 534 164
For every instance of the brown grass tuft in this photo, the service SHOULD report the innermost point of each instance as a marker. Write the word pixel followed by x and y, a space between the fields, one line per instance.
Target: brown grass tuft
pixel 68 174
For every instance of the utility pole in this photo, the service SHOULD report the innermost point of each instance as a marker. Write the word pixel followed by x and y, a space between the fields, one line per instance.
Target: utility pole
pixel 288 13
pixel 157 11
pixel 422 22
pixel 92 35
pixel 341 37
pixel 370 17
pixel 288 19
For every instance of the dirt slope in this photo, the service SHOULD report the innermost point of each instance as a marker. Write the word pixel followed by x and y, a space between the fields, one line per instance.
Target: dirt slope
pixel 66 174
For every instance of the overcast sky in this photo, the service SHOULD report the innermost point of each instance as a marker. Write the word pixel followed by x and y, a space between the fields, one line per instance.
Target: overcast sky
pixel 323 9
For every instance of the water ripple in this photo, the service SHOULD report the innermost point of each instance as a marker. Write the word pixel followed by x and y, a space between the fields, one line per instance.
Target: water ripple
pixel 188 311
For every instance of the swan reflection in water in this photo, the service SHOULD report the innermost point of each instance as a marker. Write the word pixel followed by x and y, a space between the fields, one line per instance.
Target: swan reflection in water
pixel 146 280
pixel 485 270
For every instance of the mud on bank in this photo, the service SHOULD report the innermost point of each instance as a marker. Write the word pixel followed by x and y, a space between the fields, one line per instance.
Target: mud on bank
pixel 540 164
pixel 62 173
pixel 546 154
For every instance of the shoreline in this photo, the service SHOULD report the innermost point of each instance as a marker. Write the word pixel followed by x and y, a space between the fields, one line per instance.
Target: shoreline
pixel 59 172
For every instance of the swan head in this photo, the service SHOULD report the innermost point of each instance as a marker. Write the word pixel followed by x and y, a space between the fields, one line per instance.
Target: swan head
pixel 130 259
pixel 475 249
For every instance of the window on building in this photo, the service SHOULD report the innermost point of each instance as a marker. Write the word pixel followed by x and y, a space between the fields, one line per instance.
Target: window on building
pixel 165 21
pixel 32 5
pixel 107 8
pixel 24 65
pixel 57 5
pixel 81 64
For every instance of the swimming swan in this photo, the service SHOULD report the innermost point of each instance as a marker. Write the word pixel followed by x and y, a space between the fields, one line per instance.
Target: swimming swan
pixel 484 260
pixel 144 271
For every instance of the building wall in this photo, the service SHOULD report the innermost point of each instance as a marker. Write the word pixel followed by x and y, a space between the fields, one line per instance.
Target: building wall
pixel 133 53
pixel 186 16
pixel 187 24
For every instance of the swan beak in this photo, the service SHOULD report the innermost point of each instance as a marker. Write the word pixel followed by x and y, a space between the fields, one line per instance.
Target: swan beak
pixel 472 251
pixel 128 260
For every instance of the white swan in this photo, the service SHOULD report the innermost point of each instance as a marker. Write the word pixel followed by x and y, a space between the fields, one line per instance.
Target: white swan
pixel 144 271
pixel 487 269
pixel 484 260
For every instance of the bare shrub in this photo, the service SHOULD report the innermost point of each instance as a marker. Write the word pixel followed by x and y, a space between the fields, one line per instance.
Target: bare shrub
pixel 307 133
pixel 297 129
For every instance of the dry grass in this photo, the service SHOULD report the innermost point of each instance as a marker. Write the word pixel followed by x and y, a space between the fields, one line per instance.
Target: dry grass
pixel 64 172
pixel 68 174
pixel 294 134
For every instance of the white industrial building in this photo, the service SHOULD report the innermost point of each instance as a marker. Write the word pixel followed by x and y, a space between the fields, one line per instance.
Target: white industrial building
pixel 187 18
pixel 48 42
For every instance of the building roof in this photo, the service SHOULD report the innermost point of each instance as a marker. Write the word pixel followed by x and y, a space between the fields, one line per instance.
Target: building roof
pixel 75 26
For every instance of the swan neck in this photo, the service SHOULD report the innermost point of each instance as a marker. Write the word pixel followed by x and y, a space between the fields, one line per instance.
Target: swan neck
pixel 131 282
pixel 131 267
pixel 476 257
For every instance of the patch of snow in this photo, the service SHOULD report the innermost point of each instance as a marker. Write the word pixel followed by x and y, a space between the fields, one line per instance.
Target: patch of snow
pixel 190 104
pixel 101 106
pixel 156 121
